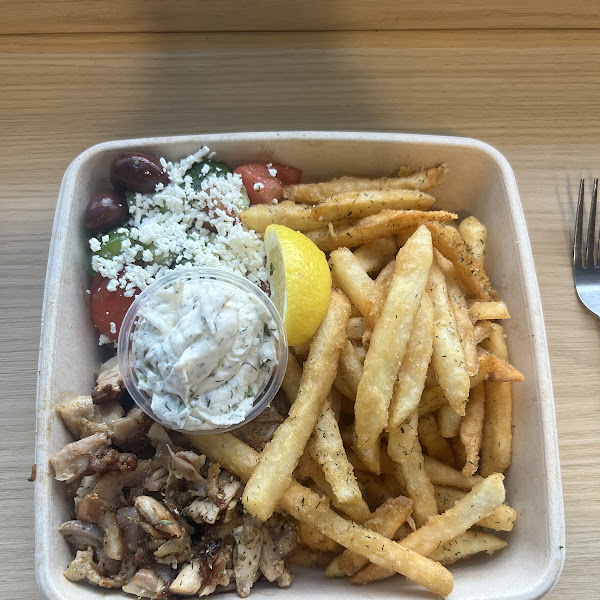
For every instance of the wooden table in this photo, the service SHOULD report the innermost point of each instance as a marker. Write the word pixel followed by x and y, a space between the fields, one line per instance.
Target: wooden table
pixel 66 84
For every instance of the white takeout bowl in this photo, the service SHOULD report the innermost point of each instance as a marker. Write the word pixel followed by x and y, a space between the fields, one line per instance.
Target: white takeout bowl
pixel 481 182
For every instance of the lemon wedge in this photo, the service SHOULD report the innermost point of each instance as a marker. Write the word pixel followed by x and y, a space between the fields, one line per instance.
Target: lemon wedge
pixel 300 281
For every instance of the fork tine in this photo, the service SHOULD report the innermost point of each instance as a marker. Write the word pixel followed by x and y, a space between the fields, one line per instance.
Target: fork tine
pixel 591 235
pixel 577 243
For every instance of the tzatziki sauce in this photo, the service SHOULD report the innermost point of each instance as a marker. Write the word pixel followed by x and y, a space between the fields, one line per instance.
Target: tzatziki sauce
pixel 203 351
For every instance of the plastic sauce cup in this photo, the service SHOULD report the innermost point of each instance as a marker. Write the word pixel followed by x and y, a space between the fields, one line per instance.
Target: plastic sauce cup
pixel 198 275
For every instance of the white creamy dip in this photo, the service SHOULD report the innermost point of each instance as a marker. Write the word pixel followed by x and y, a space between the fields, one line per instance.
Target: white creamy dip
pixel 202 352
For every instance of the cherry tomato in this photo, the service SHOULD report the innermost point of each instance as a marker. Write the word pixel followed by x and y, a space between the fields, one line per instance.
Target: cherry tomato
pixel 108 307
pixel 286 174
pixel 261 187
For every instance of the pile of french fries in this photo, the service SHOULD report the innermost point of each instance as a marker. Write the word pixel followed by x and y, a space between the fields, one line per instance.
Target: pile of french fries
pixel 400 424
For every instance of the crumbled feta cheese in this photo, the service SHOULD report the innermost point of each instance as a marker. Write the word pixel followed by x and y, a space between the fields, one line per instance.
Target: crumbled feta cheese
pixel 104 339
pixel 95 245
pixel 168 230
pixel 273 172
pixel 113 327
pixel 258 186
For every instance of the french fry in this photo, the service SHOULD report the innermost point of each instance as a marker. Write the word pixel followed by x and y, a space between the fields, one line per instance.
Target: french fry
pixel 295 216
pixel 496 449
pixel 385 520
pixel 356 205
pixel 471 429
pixel 302 556
pixel 382 225
pixel 418 486
pixel 356 328
pixel 401 440
pixel 436 445
pixel 465 545
pixel 449 242
pixel 350 368
pixel 310 536
pixel 306 506
pixel 356 283
pixel 376 254
pixel 410 382
pixel 441 474
pixel 280 456
pixel 464 326
pixel 390 338
pixel 431 399
pixel 341 386
pixel 430 379
pixel 448 421
pixel 458 449
pixel 448 358
pixel 313 193
pixel 481 330
pixel 501 519
pixel 488 311
pixel 291 380
pixel 494 368
pixel 475 235
pixel 325 446
pixel 480 502
pixel 370 456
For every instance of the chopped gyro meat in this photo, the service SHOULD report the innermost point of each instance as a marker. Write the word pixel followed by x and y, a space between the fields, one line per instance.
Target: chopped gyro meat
pixel 74 459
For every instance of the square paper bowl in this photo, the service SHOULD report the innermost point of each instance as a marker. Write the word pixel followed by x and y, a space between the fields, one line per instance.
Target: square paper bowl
pixel 480 182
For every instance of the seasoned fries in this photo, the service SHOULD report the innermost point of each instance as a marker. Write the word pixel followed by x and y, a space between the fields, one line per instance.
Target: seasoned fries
pixel 475 235
pixel 376 254
pixel 465 545
pixel 448 241
pixel 496 447
pixel 382 225
pixel 413 370
pixel 448 356
pixel 471 429
pixel 295 216
pixel 313 193
pixel 357 205
pixel 280 457
pixel 412 438
pixel 326 448
pixel 390 338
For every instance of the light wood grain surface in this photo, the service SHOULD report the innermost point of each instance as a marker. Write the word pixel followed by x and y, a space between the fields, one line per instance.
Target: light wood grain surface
pixel 533 95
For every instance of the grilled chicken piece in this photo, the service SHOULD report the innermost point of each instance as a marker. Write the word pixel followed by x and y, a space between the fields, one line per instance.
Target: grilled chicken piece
pixel 84 418
pixel 146 584
pixel 158 516
pixel 93 509
pixel 217 574
pixel 129 432
pixel 74 459
pixel 188 581
pixel 271 564
pixel 261 429
pixel 81 536
pixel 86 485
pixel 111 460
pixel 174 551
pixel 83 567
pixel 246 560
pixel 109 386
pixel 131 532
pixel 186 465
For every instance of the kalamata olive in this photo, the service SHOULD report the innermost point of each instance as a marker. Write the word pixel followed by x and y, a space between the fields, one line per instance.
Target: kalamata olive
pixel 105 211
pixel 137 172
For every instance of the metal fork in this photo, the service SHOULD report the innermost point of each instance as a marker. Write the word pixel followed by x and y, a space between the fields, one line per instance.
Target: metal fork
pixel 586 271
